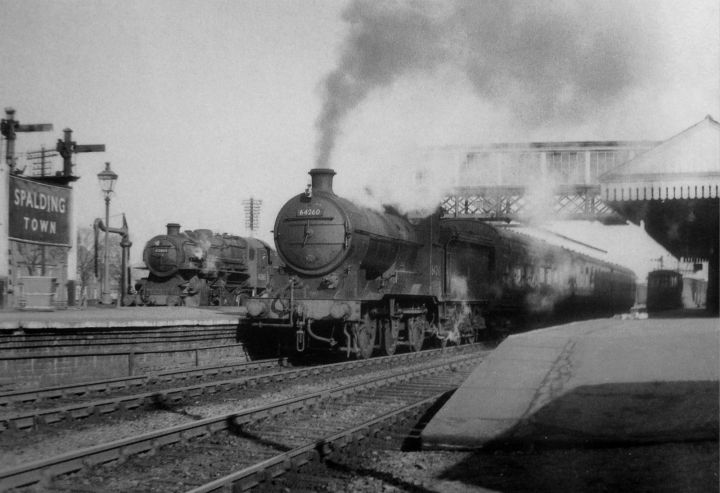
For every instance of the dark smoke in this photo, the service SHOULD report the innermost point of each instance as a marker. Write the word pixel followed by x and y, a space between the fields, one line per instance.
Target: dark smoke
pixel 386 40
pixel 547 61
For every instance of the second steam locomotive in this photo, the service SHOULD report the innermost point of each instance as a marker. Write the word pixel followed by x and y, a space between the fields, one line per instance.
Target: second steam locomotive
pixel 201 268
pixel 361 281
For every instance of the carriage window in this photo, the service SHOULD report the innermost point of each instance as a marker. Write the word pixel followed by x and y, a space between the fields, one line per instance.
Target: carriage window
pixel 517 275
pixel 529 273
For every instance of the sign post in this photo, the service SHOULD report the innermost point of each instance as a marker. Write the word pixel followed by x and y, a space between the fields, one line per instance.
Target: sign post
pixel 9 127
pixel 39 212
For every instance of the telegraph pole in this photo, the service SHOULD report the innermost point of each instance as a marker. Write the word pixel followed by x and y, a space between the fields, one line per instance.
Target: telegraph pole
pixel 252 214
pixel 39 159
pixel 9 127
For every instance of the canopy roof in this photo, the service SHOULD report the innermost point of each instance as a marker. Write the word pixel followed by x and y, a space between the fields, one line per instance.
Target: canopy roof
pixel 627 244
pixel 686 166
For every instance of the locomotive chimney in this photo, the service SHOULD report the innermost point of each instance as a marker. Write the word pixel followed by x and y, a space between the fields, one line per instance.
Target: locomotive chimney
pixel 173 229
pixel 322 179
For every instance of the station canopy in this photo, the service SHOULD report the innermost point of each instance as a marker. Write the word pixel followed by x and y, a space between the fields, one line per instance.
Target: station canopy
pixel 686 166
pixel 674 189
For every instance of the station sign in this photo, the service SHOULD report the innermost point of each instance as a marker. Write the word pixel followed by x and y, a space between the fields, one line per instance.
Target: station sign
pixel 39 212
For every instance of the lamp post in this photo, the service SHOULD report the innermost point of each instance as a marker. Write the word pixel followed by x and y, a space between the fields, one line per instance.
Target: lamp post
pixel 107 180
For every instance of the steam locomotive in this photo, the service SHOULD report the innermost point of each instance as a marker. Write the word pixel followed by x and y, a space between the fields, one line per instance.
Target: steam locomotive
pixel 361 281
pixel 202 268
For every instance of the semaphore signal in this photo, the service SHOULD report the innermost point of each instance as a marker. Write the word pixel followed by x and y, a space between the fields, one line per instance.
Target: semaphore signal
pixel 10 126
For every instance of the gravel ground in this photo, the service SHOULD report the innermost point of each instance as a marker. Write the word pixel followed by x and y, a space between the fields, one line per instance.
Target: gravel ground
pixel 672 467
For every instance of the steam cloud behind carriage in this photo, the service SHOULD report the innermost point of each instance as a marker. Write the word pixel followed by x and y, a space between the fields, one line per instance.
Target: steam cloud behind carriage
pixel 525 66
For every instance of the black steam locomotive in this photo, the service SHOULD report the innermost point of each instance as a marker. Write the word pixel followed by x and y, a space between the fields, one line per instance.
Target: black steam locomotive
pixel 202 268
pixel 361 280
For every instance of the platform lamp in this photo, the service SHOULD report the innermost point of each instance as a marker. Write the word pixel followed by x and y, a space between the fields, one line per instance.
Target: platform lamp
pixel 107 178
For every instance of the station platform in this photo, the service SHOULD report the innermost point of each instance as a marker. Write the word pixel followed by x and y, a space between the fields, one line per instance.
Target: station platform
pixel 597 381
pixel 118 317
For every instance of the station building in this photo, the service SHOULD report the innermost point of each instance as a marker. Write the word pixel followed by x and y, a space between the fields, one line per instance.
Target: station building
pixel 674 188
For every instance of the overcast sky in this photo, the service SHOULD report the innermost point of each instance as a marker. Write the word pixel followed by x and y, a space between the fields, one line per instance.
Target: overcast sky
pixel 203 104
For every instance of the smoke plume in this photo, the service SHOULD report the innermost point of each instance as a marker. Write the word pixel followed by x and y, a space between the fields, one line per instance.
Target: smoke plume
pixel 386 40
pixel 543 61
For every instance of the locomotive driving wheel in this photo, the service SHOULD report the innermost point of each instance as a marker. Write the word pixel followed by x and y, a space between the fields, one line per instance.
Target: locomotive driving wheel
pixel 365 337
pixel 416 327
pixel 390 331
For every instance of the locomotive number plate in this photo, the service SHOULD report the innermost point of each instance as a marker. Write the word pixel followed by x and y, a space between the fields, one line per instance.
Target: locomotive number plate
pixel 160 250
pixel 309 212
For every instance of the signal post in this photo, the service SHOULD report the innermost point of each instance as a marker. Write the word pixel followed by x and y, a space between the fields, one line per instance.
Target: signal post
pixel 53 191
pixel 67 147
pixel 9 127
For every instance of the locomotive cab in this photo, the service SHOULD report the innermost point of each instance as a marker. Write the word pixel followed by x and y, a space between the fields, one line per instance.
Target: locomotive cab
pixel 259 265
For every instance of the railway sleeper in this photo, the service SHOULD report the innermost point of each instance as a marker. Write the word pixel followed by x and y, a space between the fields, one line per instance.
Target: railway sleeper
pixel 40 420
pixel 197 392
pixel 186 436
pixel 16 425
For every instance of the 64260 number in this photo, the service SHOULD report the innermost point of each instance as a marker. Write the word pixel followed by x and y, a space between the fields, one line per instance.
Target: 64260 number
pixel 309 212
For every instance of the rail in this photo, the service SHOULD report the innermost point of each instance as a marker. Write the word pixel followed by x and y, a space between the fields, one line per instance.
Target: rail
pixel 120 383
pixel 255 475
pixel 120 450
pixel 43 417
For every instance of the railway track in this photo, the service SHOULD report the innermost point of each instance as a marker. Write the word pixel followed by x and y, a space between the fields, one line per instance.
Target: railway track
pixel 244 449
pixel 107 386
pixel 122 395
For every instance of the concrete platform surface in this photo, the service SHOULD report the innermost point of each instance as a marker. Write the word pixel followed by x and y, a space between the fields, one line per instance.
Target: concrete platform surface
pixel 602 380
pixel 110 317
